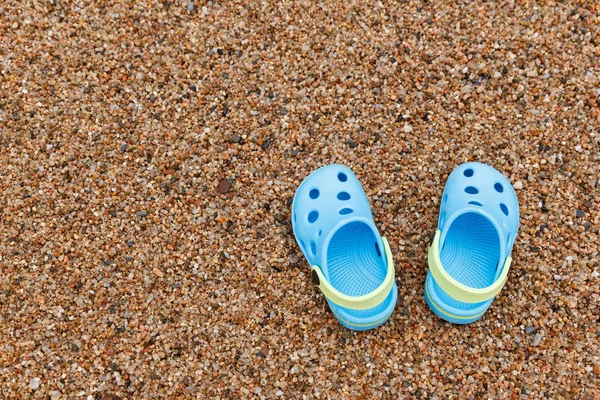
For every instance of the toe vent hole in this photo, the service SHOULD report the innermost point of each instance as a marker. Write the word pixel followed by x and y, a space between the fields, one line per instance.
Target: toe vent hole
pixel 476 203
pixel 342 177
pixel 313 248
pixel 302 247
pixel 377 249
pixel 444 199
pixel 499 188
pixel 504 209
pixel 313 216
pixel 314 193
pixel 343 196
pixel 471 190
pixel 468 172
pixel 345 211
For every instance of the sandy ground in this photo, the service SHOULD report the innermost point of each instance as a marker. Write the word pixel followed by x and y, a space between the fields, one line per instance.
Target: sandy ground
pixel 149 153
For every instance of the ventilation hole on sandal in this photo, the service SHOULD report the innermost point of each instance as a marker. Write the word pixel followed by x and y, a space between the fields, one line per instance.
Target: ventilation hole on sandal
pixel 504 209
pixel 314 193
pixel 508 241
pixel 471 190
pixel 320 232
pixel 343 196
pixel 444 199
pixel 442 219
pixel 499 188
pixel 468 172
pixel 345 211
pixel 313 216
pixel 302 247
pixel 476 203
pixel 377 249
pixel 313 247
pixel 342 177
pixel 294 217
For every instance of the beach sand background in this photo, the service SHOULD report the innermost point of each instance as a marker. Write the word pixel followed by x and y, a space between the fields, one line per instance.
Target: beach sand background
pixel 149 152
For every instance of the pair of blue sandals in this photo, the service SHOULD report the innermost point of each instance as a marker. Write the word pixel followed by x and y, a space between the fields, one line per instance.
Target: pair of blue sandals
pixel 352 264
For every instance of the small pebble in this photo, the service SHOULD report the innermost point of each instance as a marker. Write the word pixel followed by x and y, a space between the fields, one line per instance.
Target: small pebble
pixel 529 329
pixel 518 185
pixel 266 143
pixel 537 339
pixel 580 213
pixel 35 383
pixel 158 272
pixel 223 186
pixel 407 128
pixel 283 111
pixel 141 214
pixel 236 138
pixel 351 143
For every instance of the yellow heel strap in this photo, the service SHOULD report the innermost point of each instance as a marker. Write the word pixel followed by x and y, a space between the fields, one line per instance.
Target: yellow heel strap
pixel 363 302
pixel 456 289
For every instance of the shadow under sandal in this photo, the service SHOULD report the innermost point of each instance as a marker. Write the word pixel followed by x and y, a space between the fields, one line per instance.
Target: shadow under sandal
pixel 350 262
pixel 469 256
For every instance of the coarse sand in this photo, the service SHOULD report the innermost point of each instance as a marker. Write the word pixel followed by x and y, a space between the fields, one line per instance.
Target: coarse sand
pixel 149 152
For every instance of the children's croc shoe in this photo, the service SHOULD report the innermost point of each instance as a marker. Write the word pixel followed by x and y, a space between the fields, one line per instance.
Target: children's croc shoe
pixel 469 256
pixel 350 262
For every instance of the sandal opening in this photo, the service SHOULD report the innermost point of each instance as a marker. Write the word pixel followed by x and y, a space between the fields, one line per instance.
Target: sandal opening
pixel 354 266
pixel 471 251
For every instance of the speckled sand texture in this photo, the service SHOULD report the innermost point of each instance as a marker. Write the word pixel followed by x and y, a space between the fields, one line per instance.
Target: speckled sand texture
pixel 149 152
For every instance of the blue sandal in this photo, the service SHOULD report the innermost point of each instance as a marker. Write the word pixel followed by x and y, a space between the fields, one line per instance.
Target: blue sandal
pixel 350 262
pixel 469 256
